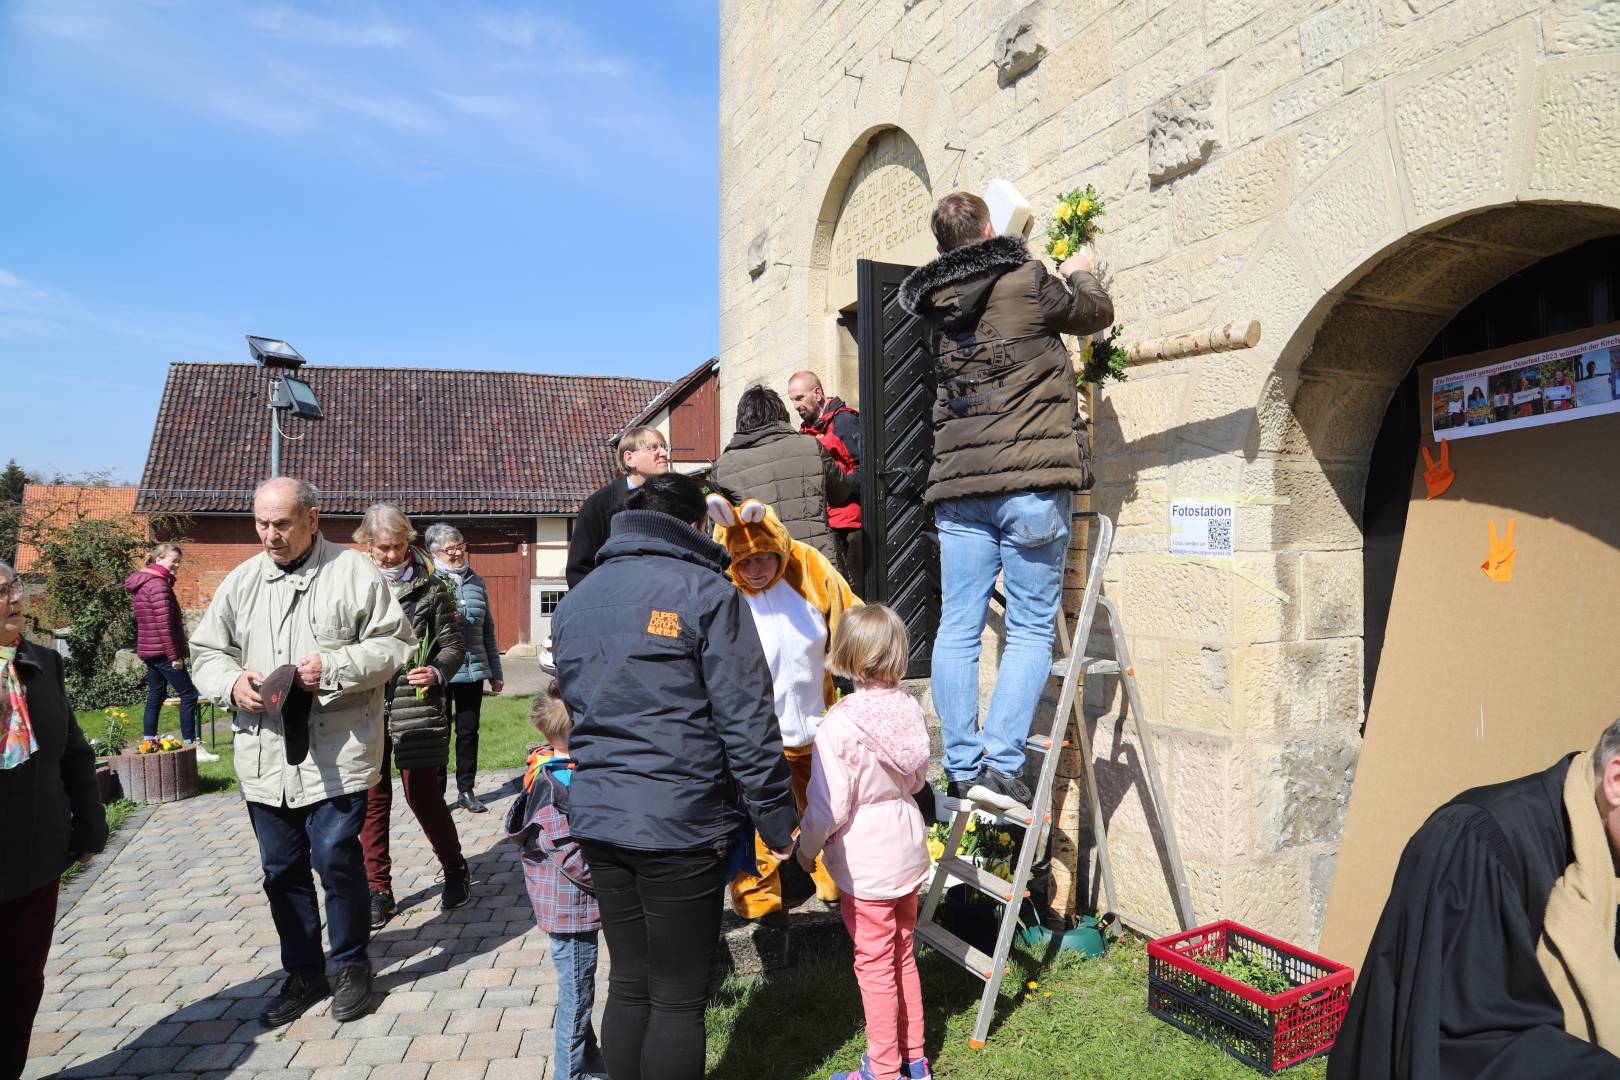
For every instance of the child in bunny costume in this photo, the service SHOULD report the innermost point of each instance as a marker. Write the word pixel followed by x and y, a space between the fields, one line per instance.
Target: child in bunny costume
pixel 797 599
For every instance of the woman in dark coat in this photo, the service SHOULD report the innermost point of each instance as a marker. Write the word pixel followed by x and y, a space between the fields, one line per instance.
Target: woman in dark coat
pixel 160 640
pixel 771 460
pixel 51 810
pixel 418 726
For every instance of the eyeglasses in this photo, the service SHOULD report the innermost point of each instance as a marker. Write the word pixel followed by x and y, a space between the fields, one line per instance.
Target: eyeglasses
pixel 655 448
pixel 11 589
pixel 452 551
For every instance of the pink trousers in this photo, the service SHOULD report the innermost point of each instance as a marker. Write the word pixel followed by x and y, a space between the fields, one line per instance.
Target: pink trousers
pixel 886 969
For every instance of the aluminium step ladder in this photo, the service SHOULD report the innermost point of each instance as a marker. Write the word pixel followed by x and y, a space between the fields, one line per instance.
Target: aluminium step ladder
pixel 1072 669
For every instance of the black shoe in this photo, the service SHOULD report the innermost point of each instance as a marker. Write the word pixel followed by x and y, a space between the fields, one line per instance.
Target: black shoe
pixel 457 888
pixel 297 995
pixel 351 993
pixel 1005 795
pixel 469 802
pixel 958 794
pixel 382 908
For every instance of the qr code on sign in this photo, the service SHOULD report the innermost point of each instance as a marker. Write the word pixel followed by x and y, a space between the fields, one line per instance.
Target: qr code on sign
pixel 1220 534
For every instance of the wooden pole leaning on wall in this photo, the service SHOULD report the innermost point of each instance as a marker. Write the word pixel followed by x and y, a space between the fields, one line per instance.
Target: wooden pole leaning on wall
pixel 1067 791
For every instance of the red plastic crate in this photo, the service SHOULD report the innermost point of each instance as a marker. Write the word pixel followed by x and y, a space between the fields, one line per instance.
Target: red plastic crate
pixel 1268 1031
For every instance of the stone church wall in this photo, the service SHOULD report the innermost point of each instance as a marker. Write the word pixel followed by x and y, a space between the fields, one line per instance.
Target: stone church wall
pixel 1348 173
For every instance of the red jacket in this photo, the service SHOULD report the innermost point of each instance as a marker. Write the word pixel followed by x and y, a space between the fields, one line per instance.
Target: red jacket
pixel 838 429
pixel 160 632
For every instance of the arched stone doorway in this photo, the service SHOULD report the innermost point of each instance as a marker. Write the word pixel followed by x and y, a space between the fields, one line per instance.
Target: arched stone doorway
pixel 877 207
pixel 1331 458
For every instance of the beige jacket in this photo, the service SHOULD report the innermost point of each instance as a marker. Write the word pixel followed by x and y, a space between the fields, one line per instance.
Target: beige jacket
pixel 262 617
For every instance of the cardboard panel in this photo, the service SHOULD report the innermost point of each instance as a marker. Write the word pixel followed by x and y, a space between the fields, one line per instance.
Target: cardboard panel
pixel 1482 681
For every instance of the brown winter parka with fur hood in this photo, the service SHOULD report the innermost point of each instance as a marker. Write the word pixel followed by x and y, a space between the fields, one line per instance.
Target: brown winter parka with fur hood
pixel 1005 416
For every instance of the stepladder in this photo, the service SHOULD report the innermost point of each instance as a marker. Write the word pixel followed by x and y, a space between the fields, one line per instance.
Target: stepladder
pixel 1071 667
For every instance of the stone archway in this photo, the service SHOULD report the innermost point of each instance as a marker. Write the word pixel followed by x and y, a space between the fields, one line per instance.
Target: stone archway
pixel 877 207
pixel 1256 678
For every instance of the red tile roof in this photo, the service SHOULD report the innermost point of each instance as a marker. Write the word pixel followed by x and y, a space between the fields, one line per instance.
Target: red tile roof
pixel 60 504
pixel 433 441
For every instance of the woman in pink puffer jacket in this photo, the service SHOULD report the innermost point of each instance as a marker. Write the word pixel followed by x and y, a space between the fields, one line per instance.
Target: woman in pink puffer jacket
pixel 160 640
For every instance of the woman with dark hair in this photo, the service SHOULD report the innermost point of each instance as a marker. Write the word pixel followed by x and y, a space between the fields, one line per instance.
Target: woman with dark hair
pixel 770 460
pixel 51 807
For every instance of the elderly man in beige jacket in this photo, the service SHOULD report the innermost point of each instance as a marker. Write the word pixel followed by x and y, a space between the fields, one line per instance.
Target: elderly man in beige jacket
pixel 324 608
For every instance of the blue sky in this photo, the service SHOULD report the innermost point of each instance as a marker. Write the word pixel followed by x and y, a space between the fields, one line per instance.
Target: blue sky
pixel 501 185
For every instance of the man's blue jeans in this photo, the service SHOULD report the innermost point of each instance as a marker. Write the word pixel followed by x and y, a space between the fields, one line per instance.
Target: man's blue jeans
pixel 577 1056
pixel 324 837
pixel 1024 536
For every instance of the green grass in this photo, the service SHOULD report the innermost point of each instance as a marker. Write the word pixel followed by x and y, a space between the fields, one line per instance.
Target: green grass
pixel 503 735
pixel 1084 1018
pixel 117 811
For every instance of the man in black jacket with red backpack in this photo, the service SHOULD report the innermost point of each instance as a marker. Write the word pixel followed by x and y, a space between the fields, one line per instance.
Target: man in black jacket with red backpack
pixel 837 427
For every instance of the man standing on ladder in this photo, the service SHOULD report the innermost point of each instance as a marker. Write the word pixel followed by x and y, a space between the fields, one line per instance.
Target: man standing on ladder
pixel 1009 454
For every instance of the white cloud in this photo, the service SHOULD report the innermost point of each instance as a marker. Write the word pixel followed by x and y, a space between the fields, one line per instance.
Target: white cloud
pixel 527 92
pixel 314 30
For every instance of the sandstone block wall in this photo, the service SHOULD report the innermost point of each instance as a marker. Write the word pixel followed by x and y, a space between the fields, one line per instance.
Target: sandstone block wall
pixel 1349 173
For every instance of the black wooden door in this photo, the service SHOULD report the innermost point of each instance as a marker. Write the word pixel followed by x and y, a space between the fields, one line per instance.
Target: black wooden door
pixel 897 433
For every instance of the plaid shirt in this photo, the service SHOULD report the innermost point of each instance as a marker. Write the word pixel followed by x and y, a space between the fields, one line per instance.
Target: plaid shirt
pixel 554 869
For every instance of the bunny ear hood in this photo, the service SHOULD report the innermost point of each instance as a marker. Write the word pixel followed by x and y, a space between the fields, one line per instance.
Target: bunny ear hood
pixel 750 528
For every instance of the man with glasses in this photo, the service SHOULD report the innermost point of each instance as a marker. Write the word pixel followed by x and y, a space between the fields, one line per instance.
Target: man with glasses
pixel 643 453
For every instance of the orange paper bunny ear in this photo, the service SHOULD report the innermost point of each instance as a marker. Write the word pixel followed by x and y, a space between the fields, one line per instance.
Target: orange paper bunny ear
pixel 721 512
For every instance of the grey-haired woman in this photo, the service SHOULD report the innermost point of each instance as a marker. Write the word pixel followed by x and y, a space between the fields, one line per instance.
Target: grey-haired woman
pixel 449 550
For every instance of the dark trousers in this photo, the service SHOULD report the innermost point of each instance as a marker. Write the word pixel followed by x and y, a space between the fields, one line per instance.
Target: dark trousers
pixel 851 558
pixel 324 837
pixel 160 675
pixel 423 796
pixel 661 919
pixel 28 921
pixel 465 702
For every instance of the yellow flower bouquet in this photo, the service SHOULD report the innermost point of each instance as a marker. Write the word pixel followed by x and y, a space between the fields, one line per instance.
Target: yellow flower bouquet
pixel 1074 223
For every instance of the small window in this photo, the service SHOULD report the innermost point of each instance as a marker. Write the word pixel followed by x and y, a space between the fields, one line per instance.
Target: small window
pixel 550 600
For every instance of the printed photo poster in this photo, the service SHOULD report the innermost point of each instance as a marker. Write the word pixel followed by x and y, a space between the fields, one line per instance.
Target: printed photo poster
pixel 1547 388
pixel 1595 377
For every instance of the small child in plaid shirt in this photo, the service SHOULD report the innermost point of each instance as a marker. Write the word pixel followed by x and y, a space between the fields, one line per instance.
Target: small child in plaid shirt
pixel 559 886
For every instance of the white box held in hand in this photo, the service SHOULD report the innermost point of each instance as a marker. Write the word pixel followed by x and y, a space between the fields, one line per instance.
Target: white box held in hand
pixel 1010 212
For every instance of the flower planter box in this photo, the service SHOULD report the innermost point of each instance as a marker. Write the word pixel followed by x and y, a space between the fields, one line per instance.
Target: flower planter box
pixel 1267 1031
pixel 166 776
pixel 106 782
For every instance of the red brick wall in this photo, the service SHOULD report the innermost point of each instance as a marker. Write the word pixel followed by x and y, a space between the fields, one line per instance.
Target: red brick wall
pixel 214 546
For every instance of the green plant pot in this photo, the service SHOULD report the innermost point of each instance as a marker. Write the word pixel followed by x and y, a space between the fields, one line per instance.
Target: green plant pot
pixel 1087 939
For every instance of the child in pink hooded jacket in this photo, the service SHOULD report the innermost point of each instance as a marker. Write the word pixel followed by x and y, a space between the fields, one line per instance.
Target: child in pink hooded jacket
pixel 871 757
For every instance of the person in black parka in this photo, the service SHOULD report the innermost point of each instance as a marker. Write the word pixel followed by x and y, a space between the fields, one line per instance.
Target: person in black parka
pixel 676 751
pixel 50 816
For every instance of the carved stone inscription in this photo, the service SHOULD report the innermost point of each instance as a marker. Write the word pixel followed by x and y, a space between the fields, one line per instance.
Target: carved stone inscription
pixel 884 215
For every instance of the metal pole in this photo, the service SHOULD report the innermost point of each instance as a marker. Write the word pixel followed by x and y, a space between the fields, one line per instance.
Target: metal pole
pixel 275 432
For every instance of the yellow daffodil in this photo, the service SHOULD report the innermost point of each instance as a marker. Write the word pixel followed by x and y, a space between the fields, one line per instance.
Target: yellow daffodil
pixel 1033 985
pixel 1083 207
pixel 1060 249
pixel 1085 353
pixel 936 850
pixel 1004 836
pixel 1064 211
pixel 1047 994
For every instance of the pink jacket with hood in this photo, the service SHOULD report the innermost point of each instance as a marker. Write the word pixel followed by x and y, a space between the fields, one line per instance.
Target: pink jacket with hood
pixel 871 757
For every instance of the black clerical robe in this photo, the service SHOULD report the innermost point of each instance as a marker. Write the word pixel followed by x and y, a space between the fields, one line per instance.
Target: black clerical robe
pixel 1451 986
